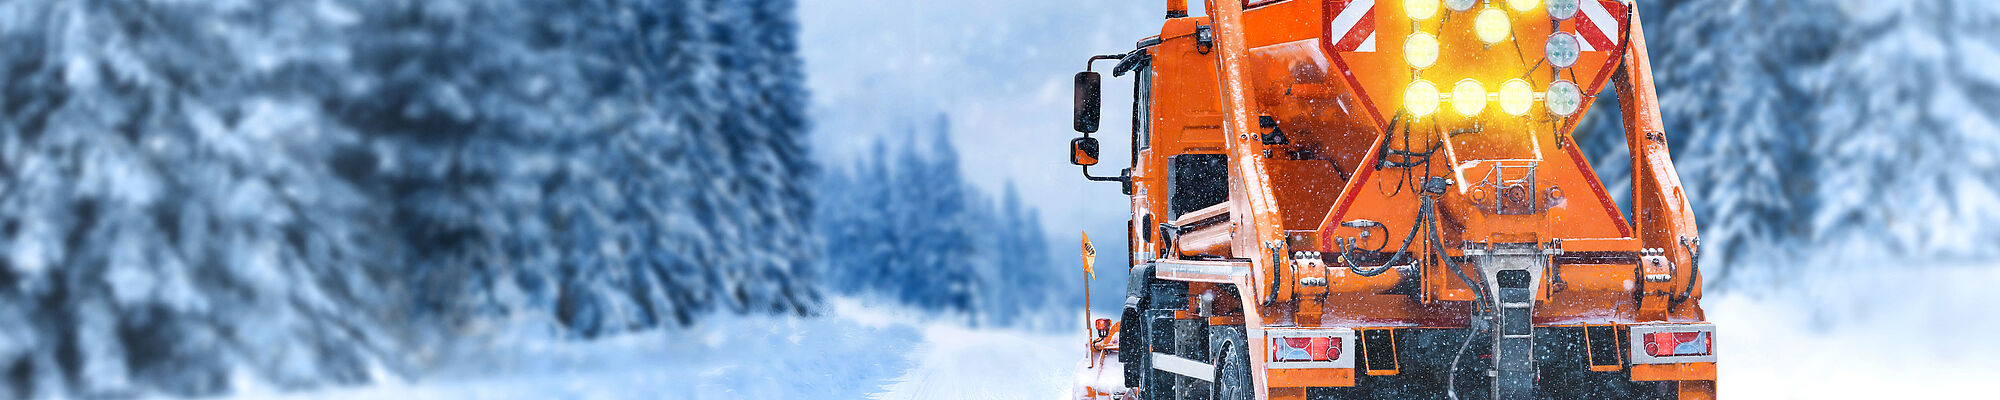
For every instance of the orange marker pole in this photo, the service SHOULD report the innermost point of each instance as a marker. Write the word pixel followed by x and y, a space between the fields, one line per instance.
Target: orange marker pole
pixel 1089 258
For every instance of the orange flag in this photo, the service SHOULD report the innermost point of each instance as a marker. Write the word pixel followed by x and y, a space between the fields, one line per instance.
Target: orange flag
pixel 1089 256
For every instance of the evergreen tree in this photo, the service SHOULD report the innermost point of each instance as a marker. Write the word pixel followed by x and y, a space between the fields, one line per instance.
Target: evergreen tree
pixel 1823 132
pixel 177 207
pixel 1031 282
pixel 1738 147
pixel 305 192
pixel 909 228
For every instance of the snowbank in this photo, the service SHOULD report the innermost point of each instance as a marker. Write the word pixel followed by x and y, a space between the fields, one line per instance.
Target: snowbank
pixel 855 351
pixel 1894 333
pixel 1902 333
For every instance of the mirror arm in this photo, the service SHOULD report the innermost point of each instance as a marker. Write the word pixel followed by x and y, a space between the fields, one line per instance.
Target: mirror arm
pixel 1130 61
pixel 1086 175
pixel 1093 60
pixel 1124 177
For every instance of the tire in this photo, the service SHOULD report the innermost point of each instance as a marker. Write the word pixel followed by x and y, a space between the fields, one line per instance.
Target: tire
pixel 1229 353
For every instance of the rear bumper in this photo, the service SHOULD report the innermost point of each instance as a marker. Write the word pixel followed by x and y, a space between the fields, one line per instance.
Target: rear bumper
pixel 1592 361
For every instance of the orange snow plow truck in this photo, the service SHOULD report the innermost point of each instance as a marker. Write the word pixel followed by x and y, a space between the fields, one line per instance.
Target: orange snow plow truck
pixel 1340 199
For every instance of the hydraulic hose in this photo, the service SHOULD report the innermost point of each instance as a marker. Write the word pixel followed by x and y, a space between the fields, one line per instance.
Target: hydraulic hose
pixel 1477 289
pixel 1401 252
pixel 1451 375
pixel 1693 246
pixel 1474 327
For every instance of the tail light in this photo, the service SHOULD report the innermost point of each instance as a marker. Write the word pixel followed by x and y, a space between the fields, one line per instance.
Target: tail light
pixel 1295 349
pixel 1666 344
pixel 1673 343
pixel 1103 327
pixel 1311 348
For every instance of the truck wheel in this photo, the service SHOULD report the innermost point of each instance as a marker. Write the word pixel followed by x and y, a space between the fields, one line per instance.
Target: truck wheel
pixel 1229 352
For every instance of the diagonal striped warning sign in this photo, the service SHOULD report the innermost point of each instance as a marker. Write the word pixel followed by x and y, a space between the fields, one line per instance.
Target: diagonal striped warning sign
pixel 1597 26
pixel 1353 29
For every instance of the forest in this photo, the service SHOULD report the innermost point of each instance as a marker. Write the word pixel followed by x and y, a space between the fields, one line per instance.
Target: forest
pixel 316 193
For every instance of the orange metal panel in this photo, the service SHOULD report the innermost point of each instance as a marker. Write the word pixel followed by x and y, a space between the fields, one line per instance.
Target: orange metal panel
pixel 1601 244
pixel 1282 22
pixel 1697 390
pixel 1701 371
pixel 1286 393
pixel 1315 377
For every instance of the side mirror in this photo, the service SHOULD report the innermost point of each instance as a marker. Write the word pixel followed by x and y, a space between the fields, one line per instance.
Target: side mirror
pixel 1089 102
pixel 1083 151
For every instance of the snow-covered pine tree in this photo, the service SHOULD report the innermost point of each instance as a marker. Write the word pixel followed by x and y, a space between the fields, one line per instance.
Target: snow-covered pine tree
pixel 905 225
pixel 1908 154
pixel 297 191
pixel 1731 94
pixel 853 220
pixel 1030 283
pixel 619 164
pixel 1823 130
pixel 945 225
pixel 176 208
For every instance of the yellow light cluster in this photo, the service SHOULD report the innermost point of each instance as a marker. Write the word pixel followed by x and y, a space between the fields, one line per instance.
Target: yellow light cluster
pixel 1469 97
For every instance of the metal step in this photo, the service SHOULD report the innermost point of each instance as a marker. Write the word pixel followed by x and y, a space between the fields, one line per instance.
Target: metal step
pixel 1513 274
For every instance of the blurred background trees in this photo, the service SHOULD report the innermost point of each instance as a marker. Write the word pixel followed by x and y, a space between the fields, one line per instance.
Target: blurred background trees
pixel 314 191
pixel 1824 132
pixel 908 227
pixel 198 194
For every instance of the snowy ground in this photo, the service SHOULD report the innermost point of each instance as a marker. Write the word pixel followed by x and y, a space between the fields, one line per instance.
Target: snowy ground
pixel 856 352
pixel 1844 335
pixel 1923 333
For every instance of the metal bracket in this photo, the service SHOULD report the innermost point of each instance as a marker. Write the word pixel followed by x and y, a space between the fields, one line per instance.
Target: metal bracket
pixel 1514 273
pixel 1508 189
pixel 1658 268
pixel 1204 39
pixel 1309 260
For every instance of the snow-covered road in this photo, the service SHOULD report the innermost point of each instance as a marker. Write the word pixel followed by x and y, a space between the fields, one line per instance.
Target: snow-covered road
pixel 955 363
pixel 1905 335
pixel 855 352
